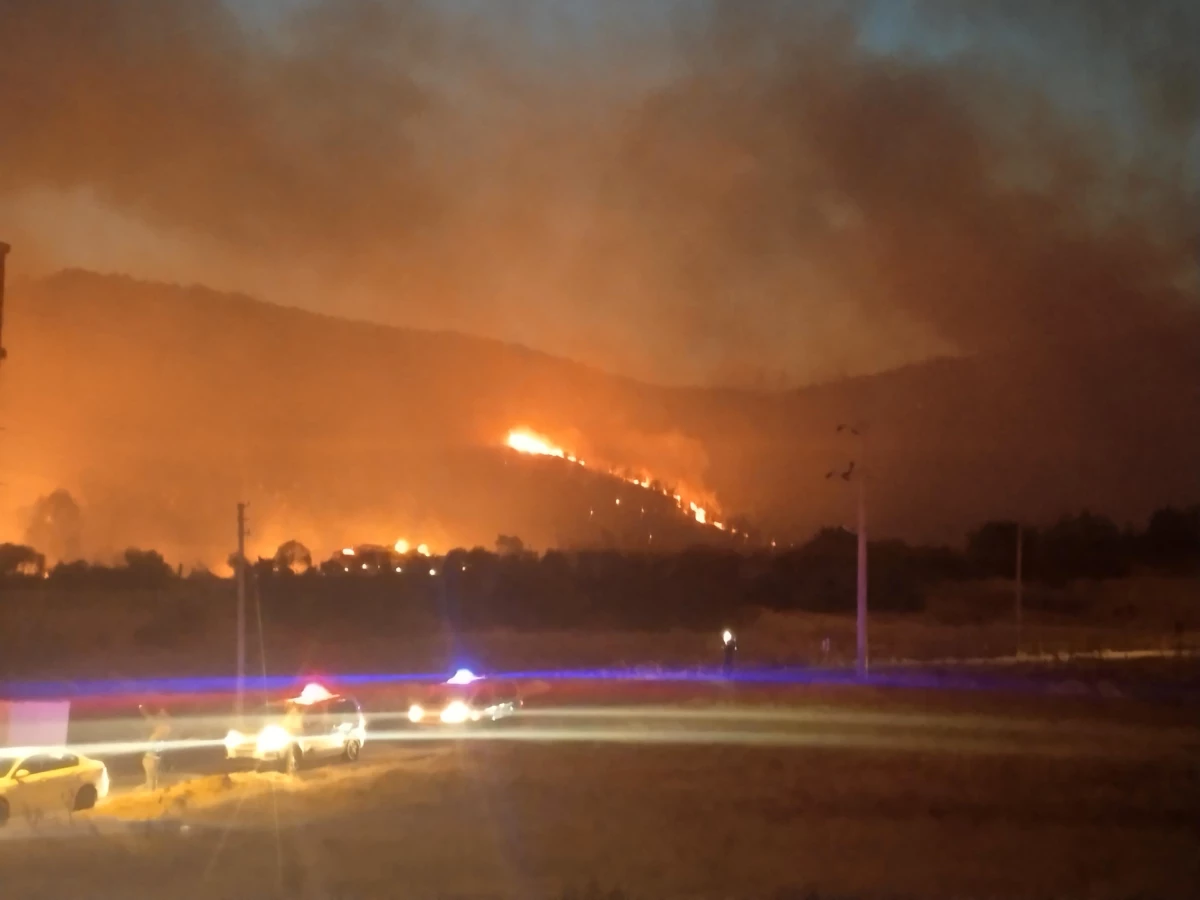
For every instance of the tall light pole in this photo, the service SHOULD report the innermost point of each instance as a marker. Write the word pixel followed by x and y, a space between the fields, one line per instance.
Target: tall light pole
pixel 1017 586
pixel 860 605
pixel 857 471
pixel 240 564
pixel 4 248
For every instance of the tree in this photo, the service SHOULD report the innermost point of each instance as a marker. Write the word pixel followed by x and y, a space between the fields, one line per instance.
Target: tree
pixel 992 549
pixel 1172 537
pixel 294 557
pixel 19 559
pixel 508 545
pixel 147 568
pixel 56 526
pixel 1082 546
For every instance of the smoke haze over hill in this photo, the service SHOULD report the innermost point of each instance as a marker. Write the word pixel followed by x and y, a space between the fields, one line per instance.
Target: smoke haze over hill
pixel 985 215
pixel 159 408
pixel 732 192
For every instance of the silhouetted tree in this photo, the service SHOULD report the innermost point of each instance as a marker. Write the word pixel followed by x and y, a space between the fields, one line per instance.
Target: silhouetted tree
pixel 147 568
pixel 77 573
pixel 1082 546
pixel 992 549
pixel 703 587
pixel 1172 538
pixel 509 545
pixel 294 557
pixel 262 568
pixel 19 559
pixel 56 526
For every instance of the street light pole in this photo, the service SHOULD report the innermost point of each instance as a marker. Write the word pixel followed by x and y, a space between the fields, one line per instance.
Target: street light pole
pixel 4 248
pixel 858 471
pixel 861 594
pixel 1018 586
pixel 241 606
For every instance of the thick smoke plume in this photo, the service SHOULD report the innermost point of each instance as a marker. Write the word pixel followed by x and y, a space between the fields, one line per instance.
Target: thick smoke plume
pixel 754 191
pixel 751 192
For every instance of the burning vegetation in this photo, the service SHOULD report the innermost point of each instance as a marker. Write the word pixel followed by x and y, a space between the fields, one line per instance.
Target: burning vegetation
pixel 523 440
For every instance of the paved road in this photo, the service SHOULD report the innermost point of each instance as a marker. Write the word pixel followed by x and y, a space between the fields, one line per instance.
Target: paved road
pixel 959 733
pixel 926 796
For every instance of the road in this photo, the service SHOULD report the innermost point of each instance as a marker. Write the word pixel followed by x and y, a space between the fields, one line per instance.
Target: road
pixel 727 795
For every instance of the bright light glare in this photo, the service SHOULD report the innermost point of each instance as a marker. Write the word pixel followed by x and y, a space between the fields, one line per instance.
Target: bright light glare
pixel 462 676
pixel 233 740
pixel 272 739
pixel 415 713
pixel 347 551
pixel 727 636
pixel 423 549
pixel 402 546
pixel 455 713
pixel 313 693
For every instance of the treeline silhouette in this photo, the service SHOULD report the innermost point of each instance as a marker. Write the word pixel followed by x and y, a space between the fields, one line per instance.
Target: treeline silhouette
pixel 702 587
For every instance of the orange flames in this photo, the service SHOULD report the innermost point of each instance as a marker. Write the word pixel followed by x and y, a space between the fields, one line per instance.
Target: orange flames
pixel 523 440
pixel 402 546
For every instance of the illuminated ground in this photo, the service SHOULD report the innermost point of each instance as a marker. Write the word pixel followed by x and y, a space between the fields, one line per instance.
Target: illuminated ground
pixel 855 794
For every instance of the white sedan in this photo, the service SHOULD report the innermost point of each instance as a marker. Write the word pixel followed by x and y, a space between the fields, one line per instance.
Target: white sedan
pixel 38 784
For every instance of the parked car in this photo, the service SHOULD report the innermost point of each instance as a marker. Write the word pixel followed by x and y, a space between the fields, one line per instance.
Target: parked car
pixel 38 784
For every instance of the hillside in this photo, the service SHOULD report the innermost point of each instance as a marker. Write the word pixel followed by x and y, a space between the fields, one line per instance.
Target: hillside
pixel 161 406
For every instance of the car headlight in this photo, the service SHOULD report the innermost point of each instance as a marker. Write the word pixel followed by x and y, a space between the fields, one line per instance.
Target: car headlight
pixel 415 713
pixel 272 739
pixel 233 740
pixel 456 712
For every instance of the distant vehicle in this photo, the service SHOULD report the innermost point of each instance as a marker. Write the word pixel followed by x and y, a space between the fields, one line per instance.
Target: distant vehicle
pixel 313 725
pixel 464 699
pixel 40 783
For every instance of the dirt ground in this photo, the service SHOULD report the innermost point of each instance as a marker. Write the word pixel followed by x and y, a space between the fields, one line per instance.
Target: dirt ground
pixel 882 795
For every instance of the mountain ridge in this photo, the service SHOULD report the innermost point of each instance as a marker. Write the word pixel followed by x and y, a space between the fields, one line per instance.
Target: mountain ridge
pixel 165 404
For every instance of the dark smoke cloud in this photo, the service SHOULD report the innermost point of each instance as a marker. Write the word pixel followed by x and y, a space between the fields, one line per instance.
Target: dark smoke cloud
pixel 747 191
pixel 172 112
pixel 902 179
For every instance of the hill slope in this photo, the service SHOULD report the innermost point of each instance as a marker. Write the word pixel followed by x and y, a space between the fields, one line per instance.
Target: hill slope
pixel 162 406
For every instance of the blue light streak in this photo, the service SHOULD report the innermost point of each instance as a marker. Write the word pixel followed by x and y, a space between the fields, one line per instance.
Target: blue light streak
pixel 287 684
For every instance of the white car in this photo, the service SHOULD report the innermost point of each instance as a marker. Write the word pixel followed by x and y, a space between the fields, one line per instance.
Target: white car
pixel 317 723
pixel 38 784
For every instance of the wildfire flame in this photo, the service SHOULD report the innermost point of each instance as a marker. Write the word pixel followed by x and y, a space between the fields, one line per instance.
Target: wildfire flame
pixel 523 440
pixel 403 547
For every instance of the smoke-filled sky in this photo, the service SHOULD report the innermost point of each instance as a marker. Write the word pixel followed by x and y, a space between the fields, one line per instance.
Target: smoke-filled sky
pixel 680 190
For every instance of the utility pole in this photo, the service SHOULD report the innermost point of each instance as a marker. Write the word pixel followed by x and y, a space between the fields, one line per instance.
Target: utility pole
pixel 1019 580
pixel 4 248
pixel 240 572
pixel 860 606
pixel 858 471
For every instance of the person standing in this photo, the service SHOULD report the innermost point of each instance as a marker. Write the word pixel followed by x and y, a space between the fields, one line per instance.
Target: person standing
pixel 159 727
